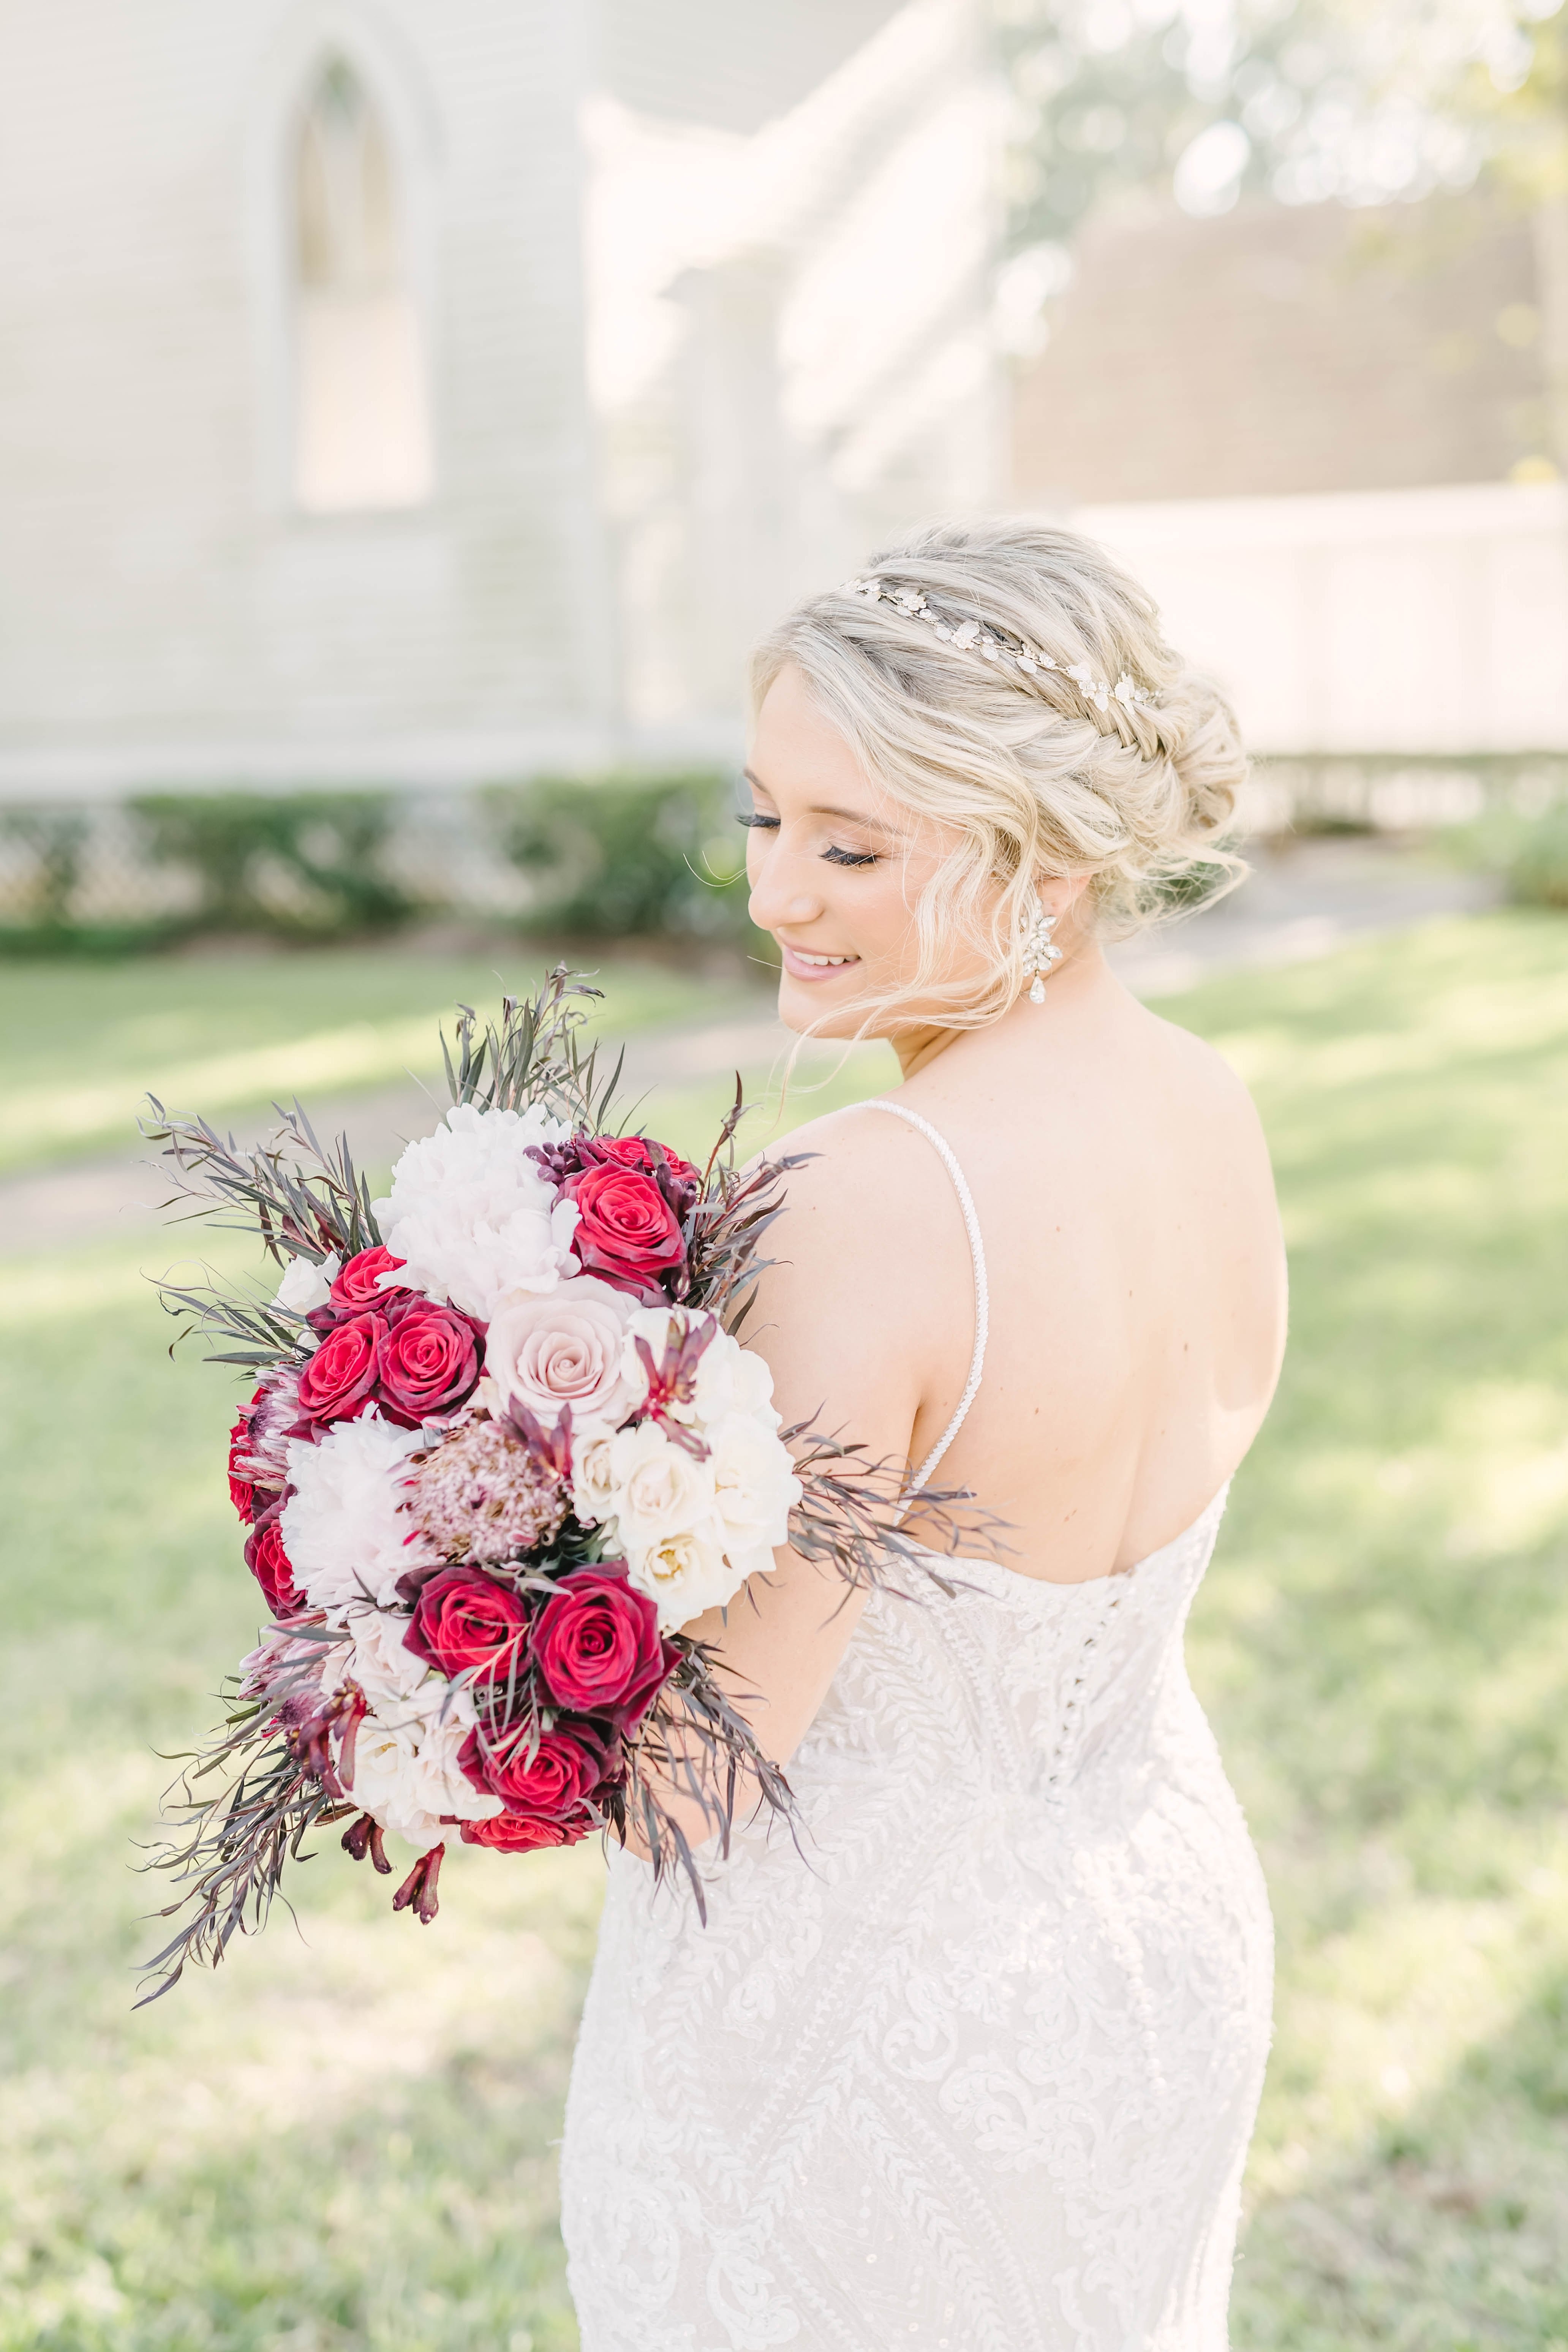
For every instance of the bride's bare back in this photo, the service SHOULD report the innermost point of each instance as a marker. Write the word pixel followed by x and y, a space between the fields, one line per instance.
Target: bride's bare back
pixel 1137 1275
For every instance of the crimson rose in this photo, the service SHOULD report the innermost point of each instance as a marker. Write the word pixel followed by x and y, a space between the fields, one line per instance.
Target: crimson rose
pixel 465 1622
pixel 356 1286
pixel 430 1361
pixel 336 1383
pixel 525 1833
pixel 636 1152
pixel 598 1648
pixel 268 1563
pixel 627 1234
pixel 550 1783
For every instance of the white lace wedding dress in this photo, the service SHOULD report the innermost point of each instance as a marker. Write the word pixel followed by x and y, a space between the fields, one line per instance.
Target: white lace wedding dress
pixel 977 2067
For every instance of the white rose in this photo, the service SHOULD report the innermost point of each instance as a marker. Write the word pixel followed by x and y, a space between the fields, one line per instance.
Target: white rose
pixel 593 1481
pixel 306 1285
pixel 346 1533
pixel 564 1349
pixel 732 1380
pixel 407 1774
pixel 754 1484
pixel 684 1572
pixel 472 1217
pixel 389 1674
pixel 658 1486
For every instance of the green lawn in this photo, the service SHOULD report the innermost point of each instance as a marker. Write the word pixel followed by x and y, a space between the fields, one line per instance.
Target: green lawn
pixel 349 2146
pixel 81 1043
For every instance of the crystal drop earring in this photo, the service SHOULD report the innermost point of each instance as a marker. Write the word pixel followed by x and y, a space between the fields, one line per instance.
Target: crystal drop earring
pixel 1038 953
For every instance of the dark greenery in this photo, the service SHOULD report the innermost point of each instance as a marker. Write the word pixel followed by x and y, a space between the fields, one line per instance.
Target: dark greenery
pixel 1538 868
pixel 305 863
pixel 628 857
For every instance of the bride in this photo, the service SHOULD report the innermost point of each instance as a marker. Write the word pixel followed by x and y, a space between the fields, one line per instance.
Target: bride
pixel 974 2062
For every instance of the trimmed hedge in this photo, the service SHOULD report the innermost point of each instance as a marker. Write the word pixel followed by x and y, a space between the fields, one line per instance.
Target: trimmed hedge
pixel 300 862
pixel 626 856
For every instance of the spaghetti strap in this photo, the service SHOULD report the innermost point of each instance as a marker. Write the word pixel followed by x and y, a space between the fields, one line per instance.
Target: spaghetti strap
pixel 977 1257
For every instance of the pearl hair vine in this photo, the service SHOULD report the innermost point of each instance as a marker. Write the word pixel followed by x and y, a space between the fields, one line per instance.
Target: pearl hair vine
pixel 993 645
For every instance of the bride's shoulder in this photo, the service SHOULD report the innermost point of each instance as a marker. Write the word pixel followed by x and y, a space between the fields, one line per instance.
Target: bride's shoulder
pixel 855 1184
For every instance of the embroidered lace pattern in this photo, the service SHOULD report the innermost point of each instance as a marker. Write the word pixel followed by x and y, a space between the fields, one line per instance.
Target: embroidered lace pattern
pixel 973 2068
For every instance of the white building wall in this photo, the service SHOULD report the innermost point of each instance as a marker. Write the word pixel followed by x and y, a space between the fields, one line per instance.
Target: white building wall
pixel 1402 620
pixel 165 615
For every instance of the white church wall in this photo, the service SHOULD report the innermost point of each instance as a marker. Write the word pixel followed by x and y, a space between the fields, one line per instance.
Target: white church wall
pixel 789 342
pixel 167 613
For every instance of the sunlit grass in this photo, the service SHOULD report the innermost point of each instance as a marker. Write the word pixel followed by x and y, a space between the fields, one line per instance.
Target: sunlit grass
pixel 80 1045
pixel 347 2143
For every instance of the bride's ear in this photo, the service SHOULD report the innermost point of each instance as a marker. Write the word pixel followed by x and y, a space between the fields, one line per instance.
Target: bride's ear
pixel 1060 893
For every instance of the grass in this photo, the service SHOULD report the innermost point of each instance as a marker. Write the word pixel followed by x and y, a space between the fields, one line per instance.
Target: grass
pixel 350 2146
pixel 80 1045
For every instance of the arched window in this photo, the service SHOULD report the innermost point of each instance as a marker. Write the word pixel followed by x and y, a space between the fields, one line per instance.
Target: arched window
pixel 362 433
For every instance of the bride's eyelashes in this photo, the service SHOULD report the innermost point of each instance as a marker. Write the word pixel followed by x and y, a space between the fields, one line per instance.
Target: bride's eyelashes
pixel 834 856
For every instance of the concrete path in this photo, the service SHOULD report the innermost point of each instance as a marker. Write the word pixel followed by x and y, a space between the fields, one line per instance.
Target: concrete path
pixel 1304 902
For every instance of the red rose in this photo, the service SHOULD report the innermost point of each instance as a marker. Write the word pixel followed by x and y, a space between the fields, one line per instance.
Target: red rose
pixel 525 1834
pixel 598 1648
pixel 627 1234
pixel 430 1361
pixel 268 1563
pixel 641 1152
pixel 550 1782
pixel 357 1286
pixel 336 1383
pixel 241 1489
pixel 464 1622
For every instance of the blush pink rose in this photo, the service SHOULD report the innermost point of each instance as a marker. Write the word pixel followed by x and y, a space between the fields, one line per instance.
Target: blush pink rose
pixel 563 1349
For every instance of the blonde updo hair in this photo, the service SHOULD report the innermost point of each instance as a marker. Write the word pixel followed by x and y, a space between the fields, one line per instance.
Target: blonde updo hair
pixel 1037 777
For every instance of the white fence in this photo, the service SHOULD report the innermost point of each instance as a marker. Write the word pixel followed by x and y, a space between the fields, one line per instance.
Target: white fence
pixel 1416 622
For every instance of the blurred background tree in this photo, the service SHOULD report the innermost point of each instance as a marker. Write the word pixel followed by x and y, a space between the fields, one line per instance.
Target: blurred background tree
pixel 1300 100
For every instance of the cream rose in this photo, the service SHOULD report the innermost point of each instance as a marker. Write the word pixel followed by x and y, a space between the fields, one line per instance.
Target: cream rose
pixel 732 1380
pixel 564 1349
pixel 658 1488
pixel 593 1481
pixel 684 1572
pixel 754 1484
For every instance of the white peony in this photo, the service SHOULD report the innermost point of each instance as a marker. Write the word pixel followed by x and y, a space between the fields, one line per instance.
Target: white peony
pixel 754 1484
pixel 407 1773
pixel 305 1286
pixel 344 1529
pixel 472 1217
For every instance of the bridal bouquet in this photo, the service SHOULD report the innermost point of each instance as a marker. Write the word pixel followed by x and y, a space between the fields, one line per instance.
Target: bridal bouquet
pixel 503 1441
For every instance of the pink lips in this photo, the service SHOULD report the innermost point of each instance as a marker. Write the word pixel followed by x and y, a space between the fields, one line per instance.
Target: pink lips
pixel 797 968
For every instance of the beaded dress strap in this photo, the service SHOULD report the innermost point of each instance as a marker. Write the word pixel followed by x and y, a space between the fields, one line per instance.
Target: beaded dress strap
pixel 977 1256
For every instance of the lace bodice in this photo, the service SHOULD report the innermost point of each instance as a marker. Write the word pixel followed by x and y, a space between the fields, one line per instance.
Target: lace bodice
pixel 972 2063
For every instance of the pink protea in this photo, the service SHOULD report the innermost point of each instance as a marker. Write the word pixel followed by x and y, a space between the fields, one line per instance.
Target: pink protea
pixel 273 1417
pixel 483 1495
